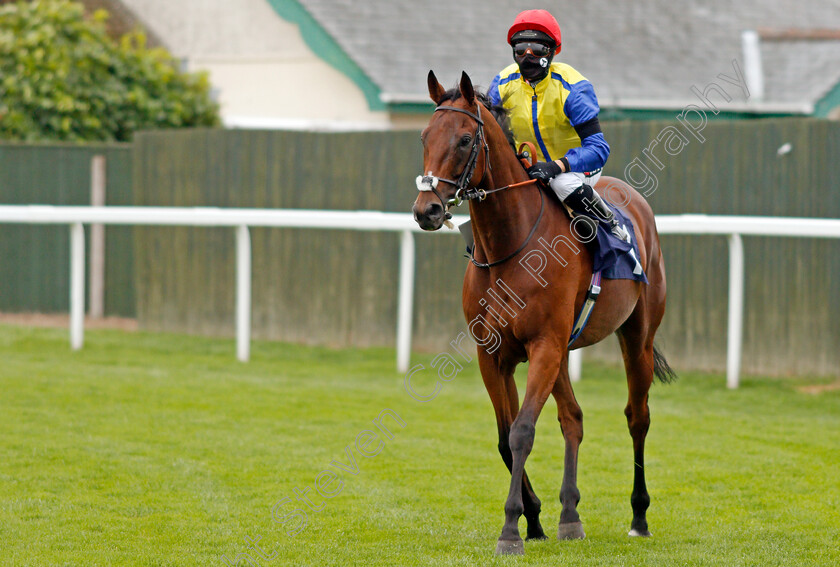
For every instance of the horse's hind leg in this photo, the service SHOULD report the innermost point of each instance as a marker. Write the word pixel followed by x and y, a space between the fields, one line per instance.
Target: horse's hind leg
pixel 570 417
pixel 637 350
pixel 502 390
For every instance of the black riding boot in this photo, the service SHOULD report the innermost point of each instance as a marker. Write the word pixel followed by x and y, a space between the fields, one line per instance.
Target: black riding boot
pixel 585 200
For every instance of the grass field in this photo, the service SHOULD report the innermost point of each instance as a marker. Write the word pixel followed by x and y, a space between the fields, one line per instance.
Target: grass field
pixel 148 449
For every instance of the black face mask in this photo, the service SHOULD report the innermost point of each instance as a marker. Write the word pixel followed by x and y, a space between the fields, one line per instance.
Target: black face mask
pixel 534 69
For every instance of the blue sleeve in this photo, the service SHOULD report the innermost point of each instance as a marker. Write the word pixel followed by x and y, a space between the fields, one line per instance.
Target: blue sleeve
pixel 591 155
pixel 493 91
pixel 582 106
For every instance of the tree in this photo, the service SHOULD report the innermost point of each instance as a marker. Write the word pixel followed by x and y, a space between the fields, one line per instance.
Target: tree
pixel 63 78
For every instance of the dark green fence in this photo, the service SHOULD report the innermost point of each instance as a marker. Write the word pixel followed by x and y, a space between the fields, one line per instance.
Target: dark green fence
pixel 34 260
pixel 331 287
pixel 792 311
pixel 339 288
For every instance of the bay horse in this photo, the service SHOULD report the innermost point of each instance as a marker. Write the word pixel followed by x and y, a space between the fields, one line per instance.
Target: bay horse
pixel 468 154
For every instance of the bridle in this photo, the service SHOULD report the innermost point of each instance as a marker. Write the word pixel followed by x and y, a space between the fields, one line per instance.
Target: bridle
pixel 463 192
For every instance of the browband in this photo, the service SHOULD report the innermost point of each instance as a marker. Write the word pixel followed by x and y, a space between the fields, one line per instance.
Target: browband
pixel 467 112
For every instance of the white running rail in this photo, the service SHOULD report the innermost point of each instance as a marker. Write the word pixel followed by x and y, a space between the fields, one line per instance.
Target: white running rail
pixel 242 219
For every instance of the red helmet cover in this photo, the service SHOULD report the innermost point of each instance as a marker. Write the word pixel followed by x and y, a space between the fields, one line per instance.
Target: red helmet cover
pixel 539 20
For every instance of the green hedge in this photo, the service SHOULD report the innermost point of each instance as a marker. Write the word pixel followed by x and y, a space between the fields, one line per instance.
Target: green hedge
pixel 63 78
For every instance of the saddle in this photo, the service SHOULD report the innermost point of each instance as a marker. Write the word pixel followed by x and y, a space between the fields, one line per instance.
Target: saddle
pixel 617 259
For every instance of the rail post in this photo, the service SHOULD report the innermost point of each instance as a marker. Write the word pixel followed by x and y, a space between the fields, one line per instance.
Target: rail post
pixel 575 365
pixel 735 323
pixel 243 293
pixel 405 300
pixel 77 285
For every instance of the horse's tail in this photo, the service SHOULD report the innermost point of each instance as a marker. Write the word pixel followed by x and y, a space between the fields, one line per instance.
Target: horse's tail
pixel 661 369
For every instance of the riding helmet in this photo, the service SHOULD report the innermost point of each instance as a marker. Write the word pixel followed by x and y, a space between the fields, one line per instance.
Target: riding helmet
pixel 535 25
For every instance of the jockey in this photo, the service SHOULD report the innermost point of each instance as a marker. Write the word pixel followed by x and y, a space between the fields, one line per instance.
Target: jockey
pixel 554 107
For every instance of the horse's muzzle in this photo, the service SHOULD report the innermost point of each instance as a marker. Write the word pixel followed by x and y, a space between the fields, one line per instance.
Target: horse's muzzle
pixel 431 217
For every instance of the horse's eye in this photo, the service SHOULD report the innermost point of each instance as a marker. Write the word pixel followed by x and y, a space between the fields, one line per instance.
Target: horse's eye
pixel 465 141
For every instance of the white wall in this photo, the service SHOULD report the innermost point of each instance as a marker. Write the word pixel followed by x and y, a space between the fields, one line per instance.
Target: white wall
pixel 259 64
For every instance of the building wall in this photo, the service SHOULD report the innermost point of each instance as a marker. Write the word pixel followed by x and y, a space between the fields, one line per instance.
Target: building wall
pixel 259 64
pixel 411 120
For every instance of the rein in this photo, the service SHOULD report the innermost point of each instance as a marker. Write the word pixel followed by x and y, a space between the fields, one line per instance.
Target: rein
pixel 518 250
pixel 463 192
pixel 481 194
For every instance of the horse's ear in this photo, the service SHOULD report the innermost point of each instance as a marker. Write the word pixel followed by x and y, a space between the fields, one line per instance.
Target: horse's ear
pixel 467 90
pixel 436 91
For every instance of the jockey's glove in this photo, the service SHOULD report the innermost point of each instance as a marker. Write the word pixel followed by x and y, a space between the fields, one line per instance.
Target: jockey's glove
pixel 544 170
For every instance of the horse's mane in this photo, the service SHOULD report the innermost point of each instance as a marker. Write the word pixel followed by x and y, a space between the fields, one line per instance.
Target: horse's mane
pixel 499 112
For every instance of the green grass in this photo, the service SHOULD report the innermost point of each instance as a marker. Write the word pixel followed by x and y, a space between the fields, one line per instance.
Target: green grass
pixel 147 449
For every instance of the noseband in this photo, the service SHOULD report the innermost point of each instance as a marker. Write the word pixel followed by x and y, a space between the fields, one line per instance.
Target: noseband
pixel 463 192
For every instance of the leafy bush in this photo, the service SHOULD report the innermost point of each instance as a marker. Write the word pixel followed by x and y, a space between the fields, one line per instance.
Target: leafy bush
pixel 63 78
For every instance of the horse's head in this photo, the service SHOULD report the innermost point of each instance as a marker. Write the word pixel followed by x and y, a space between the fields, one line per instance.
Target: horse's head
pixel 455 153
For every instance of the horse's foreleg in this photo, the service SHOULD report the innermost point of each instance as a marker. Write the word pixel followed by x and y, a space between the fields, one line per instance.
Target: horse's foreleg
pixel 501 387
pixel 545 362
pixel 570 417
pixel 638 363
pixel 530 502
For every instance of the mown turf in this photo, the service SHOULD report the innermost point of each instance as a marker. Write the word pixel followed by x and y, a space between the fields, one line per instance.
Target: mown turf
pixel 147 449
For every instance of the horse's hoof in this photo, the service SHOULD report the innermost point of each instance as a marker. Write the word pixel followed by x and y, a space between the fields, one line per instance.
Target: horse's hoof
pixel 535 532
pixel 573 530
pixel 638 533
pixel 510 547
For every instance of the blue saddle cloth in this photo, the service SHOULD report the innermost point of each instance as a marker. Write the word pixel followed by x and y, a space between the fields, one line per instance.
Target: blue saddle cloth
pixel 616 259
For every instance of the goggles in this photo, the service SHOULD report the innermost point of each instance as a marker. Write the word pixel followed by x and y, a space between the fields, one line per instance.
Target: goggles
pixel 538 49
